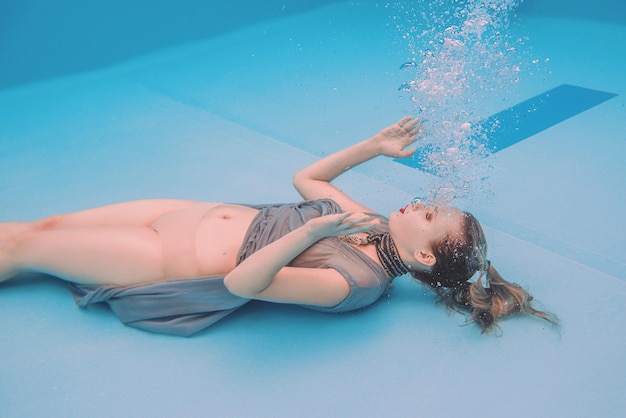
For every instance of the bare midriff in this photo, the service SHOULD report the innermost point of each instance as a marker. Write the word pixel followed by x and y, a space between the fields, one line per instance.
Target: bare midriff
pixel 215 231
pixel 219 237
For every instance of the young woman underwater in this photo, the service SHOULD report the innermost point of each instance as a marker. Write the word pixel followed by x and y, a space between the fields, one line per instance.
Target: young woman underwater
pixel 178 266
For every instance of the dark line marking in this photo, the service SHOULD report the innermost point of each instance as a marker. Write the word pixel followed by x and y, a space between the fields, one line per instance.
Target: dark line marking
pixel 519 122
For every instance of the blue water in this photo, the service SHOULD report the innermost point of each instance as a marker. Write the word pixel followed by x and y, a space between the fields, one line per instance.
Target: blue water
pixel 170 104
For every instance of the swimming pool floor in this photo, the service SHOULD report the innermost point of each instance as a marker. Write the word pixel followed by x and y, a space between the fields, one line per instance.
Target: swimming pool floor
pixel 230 119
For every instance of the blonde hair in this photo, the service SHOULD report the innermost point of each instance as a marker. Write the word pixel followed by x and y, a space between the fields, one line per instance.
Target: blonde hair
pixel 488 299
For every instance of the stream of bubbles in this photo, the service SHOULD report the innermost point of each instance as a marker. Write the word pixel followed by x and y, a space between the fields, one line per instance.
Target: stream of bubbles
pixel 461 56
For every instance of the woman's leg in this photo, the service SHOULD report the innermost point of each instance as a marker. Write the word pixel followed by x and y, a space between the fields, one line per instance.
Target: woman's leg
pixel 116 255
pixel 138 213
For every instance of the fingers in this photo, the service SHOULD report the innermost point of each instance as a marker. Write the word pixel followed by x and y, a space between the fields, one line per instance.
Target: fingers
pixel 407 153
pixel 341 224
pixel 356 222
pixel 408 122
pixel 352 218
pixel 413 126
pixel 404 120
pixel 410 125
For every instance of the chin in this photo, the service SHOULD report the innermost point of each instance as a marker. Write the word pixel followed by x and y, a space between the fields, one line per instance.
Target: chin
pixel 393 217
pixel 395 213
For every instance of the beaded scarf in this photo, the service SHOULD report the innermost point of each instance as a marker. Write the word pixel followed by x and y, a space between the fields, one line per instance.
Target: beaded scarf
pixel 386 250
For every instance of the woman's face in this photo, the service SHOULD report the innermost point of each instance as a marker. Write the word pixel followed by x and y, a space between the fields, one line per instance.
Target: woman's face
pixel 416 226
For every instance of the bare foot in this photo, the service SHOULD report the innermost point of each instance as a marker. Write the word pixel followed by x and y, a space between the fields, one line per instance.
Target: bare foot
pixel 7 269
pixel 11 229
pixel 8 231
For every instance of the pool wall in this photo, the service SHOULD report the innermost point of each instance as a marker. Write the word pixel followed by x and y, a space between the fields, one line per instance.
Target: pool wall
pixel 604 10
pixel 40 40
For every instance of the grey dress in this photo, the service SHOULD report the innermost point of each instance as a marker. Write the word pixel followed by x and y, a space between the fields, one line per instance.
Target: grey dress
pixel 188 305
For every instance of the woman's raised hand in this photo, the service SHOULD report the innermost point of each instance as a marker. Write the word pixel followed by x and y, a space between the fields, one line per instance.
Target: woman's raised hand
pixel 393 140
pixel 340 224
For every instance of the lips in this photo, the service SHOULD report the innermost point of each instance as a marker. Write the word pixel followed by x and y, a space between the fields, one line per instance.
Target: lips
pixel 402 210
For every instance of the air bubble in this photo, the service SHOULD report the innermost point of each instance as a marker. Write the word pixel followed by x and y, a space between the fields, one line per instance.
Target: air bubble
pixel 408 65
pixel 463 59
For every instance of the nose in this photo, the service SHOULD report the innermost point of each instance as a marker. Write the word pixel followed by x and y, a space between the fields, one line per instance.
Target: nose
pixel 419 203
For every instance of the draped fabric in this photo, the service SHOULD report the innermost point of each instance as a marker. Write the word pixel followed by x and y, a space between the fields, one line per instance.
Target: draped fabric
pixel 188 305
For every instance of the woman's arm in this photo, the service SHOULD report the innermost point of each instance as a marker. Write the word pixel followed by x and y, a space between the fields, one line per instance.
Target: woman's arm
pixel 264 276
pixel 313 181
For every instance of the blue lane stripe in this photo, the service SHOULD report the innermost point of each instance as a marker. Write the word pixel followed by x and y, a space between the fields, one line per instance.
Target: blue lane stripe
pixel 530 117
